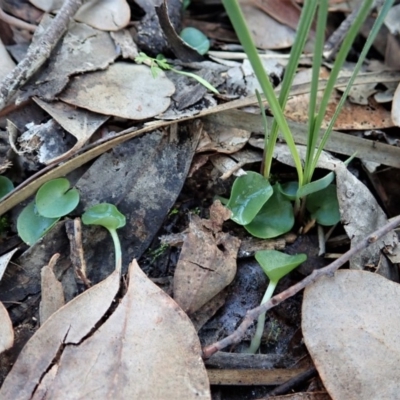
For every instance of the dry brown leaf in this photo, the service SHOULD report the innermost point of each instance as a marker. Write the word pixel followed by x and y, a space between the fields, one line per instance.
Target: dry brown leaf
pixel 207 263
pixel 6 330
pixel 352 331
pixel 7 64
pixel 124 90
pixel 70 324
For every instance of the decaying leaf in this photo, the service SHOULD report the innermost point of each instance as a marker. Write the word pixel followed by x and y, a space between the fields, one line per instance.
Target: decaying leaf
pixel 124 90
pixel 396 107
pixel 358 355
pixel 146 349
pixel 207 263
pixel 7 64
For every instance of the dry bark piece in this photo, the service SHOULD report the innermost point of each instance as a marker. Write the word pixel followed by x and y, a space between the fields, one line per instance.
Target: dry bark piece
pixel 358 354
pixel 70 324
pixel 123 90
pixel 207 263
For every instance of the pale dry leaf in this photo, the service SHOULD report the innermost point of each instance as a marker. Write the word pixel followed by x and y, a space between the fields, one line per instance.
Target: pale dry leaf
pixel 6 64
pixel 267 32
pixel 80 123
pixel 106 15
pixel 124 90
pixel 146 349
pixel 351 329
pixel 52 294
pixel 221 139
pixel 6 330
pixel 396 107
pixel 70 324
pixel 207 263
pixel 4 260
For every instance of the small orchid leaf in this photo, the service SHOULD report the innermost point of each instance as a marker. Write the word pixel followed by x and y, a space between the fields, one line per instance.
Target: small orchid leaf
pixel 198 78
pixel 55 198
pixel 6 186
pixel 324 207
pixel 315 186
pixel 31 226
pixel 275 217
pixel 289 190
pixel 104 214
pixel 276 264
pixel 196 39
pixel 249 194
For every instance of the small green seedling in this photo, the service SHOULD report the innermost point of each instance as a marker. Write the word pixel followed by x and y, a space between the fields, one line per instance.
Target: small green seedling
pixel 31 226
pixel 196 39
pixel 6 186
pixel 160 63
pixel 108 216
pixel 275 265
pixel 53 200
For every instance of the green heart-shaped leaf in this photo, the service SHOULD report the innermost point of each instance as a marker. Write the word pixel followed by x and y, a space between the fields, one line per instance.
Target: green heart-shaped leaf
pixel 54 199
pixel 275 217
pixel 196 39
pixel 276 264
pixel 249 194
pixel 289 190
pixel 104 214
pixel 324 207
pixel 6 186
pixel 31 226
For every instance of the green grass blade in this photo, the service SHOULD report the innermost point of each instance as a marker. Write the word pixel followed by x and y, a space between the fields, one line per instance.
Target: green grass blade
pixel 303 30
pixel 237 19
pixel 374 31
pixel 316 67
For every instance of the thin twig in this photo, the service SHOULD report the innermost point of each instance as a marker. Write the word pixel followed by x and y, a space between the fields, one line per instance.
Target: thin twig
pixel 38 53
pixel 329 270
pixel 18 23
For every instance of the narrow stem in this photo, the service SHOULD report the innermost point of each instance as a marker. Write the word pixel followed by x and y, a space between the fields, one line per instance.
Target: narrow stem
pixel 117 247
pixel 256 341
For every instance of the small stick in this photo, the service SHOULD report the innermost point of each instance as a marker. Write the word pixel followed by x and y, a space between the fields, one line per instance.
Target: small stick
pixel 37 54
pixel 329 270
pixel 292 383
pixel 18 23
